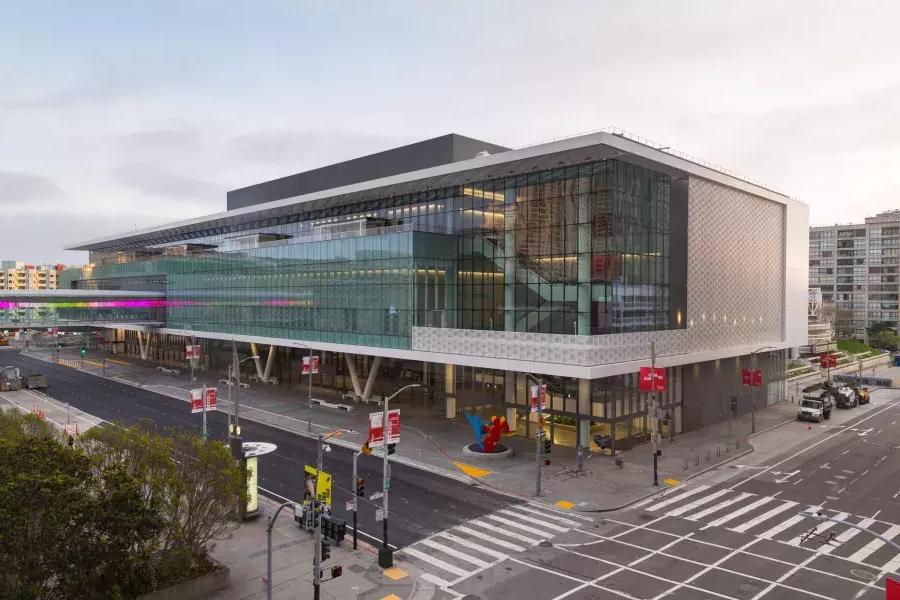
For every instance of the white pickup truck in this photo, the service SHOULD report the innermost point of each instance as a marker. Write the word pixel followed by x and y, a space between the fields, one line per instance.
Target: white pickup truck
pixel 814 409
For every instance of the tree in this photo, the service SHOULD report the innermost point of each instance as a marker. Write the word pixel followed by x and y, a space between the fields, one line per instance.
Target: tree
pixel 880 326
pixel 69 531
pixel 885 339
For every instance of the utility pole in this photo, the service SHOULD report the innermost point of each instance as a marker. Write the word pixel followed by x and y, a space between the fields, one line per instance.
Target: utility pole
pixel 204 412
pixel 539 437
pixel 309 393
pixel 317 515
pixel 234 433
pixel 353 490
pixel 269 527
pixel 753 395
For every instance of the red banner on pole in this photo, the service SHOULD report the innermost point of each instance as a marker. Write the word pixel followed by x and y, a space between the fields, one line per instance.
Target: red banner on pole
pixel 196 401
pixel 376 430
pixel 652 379
pixel 827 359
pixel 545 404
pixel 211 396
pixel 305 368
pixel 757 378
pixel 746 376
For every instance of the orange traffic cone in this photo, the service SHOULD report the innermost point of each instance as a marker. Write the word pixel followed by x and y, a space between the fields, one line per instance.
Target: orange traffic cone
pixel 808 427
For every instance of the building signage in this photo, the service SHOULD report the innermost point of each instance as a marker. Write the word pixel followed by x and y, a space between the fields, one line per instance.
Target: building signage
pixel 310 365
pixel 652 379
pixel 376 431
pixel 544 398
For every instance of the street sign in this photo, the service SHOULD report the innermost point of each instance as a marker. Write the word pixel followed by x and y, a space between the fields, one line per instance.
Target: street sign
pixel 376 496
pixel 379 514
pixel 305 367
pixel 376 433
pixel 348 505
pixel 197 400
pixel 211 396
pixel 545 398
pixel 652 379
pixel 323 488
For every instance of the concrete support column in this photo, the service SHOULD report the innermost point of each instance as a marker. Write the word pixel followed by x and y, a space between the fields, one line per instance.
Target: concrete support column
pixel 257 362
pixel 509 260
pixel 270 360
pixel 144 344
pixel 370 380
pixel 512 418
pixel 354 377
pixel 450 390
pixel 584 264
pixel 584 410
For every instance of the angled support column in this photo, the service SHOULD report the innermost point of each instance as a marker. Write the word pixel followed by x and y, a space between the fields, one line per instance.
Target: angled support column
pixel 255 352
pixel 354 377
pixel 144 344
pixel 270 360
pixel 370 380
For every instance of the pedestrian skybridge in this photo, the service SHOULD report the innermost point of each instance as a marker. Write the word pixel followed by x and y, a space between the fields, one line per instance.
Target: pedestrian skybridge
pixel 80 308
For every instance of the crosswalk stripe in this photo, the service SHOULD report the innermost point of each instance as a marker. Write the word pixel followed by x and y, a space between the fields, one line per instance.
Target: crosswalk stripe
pixel 717 507
pixel 847 535
pixel 517 525
pixel 695 504
pixel 501 531
pixel 545 508
pixel 676 498
pixel 535 521
pixel 435 580
pixel 547 514
pixel 493 540
pixel 765 516
pixel 768 535
pixel 741 511
pixel 470 544
pixel 435 561
pixel 796 541
pixel 454 553
pixel 864 552
pixel 892 566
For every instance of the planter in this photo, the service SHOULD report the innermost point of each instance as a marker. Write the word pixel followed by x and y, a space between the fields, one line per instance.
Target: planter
pixel 193 589
pixel 501 452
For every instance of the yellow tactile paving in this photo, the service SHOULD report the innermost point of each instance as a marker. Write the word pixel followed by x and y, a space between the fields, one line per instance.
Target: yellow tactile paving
pixel 565 504
pixel 392 597
pixel 671 482
pixel 93 362
pixel 395 573
pixel 472 471
pixel 119 362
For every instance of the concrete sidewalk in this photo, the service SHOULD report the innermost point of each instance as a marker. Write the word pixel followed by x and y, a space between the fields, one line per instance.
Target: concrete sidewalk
pixel 435 444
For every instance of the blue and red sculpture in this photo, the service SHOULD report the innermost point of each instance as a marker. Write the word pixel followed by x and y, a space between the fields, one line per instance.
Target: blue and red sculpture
pixel 487 434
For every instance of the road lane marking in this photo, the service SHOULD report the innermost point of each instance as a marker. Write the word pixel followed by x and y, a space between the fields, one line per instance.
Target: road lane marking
pixel 493 540
pixel 675 498
pixel 798 540
pixel 435 561
pixel 434 580
pixel 741 511
pixel 696 503
pixel 507 533
pixel 454 553
pixel 848 534
pixel 518 525
pixel 739 498
pixel 768 535
pixel 546 514
pixel 764 517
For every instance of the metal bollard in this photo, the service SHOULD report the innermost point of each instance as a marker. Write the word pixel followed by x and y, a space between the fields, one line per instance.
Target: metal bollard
pixel 728 448
pixel 718 451
pixel 708 455
pixel 685 464
pixel 737 444
pixel 697 461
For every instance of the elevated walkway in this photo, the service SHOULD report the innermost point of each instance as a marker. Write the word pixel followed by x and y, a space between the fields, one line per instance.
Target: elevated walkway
pixel 80 308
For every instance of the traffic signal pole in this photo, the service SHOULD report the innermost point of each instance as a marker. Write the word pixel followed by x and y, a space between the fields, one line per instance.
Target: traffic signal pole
pixel 355 489
pixel 317 516
pixel 654 417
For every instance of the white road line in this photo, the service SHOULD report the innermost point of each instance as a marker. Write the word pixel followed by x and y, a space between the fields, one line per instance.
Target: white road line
pixel 547 514
pixel 892 566
pixel 768 535
pixel 571 578
pixel 470 544
pixel 547 508
pixel 435 580
pixel 518 525
pixel 676 498
pixel 741 511
pixel 493 540
pixel 509 534
pixel 819 529
pixel 863 553
pixel 785 577
pixel 696 503
pixel 764 517
pixel 435 561
pixel 454 553
pixel 534 521
pixel 739 498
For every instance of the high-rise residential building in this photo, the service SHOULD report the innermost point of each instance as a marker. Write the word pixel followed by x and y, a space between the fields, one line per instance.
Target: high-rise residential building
pixel 18 275
pixel 856 268
pixel 475 270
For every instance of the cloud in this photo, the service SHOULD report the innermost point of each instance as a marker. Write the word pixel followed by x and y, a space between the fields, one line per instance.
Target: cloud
pixel 160 140
pixel 157 180
pixel 17 187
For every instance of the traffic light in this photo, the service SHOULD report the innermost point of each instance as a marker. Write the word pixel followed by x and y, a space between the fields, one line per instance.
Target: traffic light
pixel 391 448
pixel 366 449
pixel 83 351
pixel 326 551
pixel 58 345
pixel 337 571
pixel 360 487
pixel 548 446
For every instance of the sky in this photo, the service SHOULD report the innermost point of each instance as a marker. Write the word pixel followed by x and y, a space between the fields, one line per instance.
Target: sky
pixel 125 114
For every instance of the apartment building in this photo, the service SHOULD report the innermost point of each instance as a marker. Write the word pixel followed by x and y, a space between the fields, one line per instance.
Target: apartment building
pixel 855 267
pixel 18 275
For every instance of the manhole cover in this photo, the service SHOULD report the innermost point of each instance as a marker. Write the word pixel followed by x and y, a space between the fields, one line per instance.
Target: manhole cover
pixel 546 544
pixel 646 517
pixel 862 574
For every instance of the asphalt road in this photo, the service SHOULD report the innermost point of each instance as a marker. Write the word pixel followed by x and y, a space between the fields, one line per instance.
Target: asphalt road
pixel 737 537
pixel 421 503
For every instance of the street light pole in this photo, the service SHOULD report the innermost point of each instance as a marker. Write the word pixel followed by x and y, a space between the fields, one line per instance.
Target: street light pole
pixel 353 489
pixel 385 555
pixel 269 527
pixel 753 391
pixel 317 516
pixel 538 436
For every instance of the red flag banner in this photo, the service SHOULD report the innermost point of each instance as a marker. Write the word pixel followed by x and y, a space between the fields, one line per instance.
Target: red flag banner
pixel 652 379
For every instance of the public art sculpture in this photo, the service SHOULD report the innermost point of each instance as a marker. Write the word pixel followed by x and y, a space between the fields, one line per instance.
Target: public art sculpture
pixel 487 433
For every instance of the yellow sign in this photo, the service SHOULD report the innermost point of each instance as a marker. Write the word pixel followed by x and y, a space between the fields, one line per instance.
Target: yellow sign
pixel 323 485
